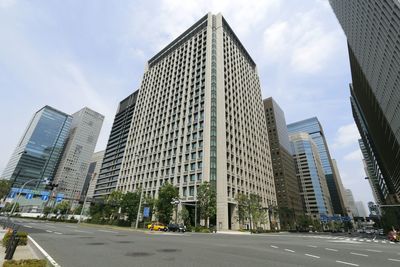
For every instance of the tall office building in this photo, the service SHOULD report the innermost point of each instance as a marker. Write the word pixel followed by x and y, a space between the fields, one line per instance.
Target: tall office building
pixel 351 203
pixel 39 150
pixel 71 174
pixel 313 188
pixel 93 174
pixel 340 185
pixel 374 175
pixel 362 212
pixel 286 182
pixel 313 127
pixel 108 176
pixel 373 35
pixel 199 117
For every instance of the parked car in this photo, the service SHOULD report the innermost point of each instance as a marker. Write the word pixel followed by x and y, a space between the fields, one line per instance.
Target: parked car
pixel 173 227
pixel 157 226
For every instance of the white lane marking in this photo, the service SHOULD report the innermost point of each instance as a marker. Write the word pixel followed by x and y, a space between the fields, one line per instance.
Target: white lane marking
pixel 384 242
pixel 48 257
pixel 331 249
pixel 274 246
pixel 58 233
pixel 376 241
pixel 393 260
pixel 391 242
pixel 107 231
pixel 347 263
pixel 368 240
pixel 359 254
pixel 27 226
pixel 289 250
pixel 80 231
pixel 49 231
pixel 373 250
pixel 311 246
pixel 313 256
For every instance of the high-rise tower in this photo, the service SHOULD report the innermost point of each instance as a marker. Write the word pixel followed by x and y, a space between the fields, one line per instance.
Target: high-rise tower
pixel 199 117
pixel 373 35
pixel 71 174
pixel 286 182
pixel 313 127
pixel 39 150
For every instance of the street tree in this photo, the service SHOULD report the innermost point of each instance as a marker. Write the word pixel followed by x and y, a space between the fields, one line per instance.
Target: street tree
pixel 207 200
pixel 163 204
pixel 113 204
pixel 5 187
pixel 63 207
pixel 184 215
pixel 129 205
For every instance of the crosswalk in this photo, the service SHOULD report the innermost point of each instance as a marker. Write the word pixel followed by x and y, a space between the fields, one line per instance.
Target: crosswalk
pixel 354 239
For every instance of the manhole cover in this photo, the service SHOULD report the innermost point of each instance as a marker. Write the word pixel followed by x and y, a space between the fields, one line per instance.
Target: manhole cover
pixel 95 244
pixel 124 242
pixel 168 250
pixel 138 254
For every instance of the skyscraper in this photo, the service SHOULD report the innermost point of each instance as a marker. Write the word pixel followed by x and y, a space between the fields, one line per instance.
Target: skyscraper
pixel 351 203
pixel 93 174
pixel 71 173
pixel 313 127
pixel 313 188
pixel 39 150
pixel 199 117
pixel 108 176
pixel 286 182
pixel 373 35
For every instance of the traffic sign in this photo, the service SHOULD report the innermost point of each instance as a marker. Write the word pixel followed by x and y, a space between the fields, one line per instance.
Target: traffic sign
pixel 146 212
pixel 45 197
pixel 13 194
pixel 59 199
pixel 29 196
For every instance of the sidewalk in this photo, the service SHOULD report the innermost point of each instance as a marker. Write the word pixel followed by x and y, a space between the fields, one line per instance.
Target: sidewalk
pixel 22 252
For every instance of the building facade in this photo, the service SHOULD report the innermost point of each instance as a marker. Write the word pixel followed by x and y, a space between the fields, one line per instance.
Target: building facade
pixel 351 203
pixel 286 181
pixel 313 187
pixel 93 174
pixel 71 174
pixel 39 151
pixel 373 35
pixel 313 127
pixel 109 172
pixel 199 117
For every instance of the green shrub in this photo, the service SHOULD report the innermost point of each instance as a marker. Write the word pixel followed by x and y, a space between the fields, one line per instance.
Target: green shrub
pixel 25 263
pixel 23 238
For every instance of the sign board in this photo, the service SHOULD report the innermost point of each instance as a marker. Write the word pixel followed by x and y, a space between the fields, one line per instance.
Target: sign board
pixel 59 199
pixel 13 194
pixel 45 197
pixel 146 212
pixel 29 196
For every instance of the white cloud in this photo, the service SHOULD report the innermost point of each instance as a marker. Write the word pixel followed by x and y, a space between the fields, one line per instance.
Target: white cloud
pixel 302 41
pixel 7 3
pixel 346 135
pixel 353 156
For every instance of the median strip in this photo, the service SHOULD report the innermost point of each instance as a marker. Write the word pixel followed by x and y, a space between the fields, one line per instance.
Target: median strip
pixel 347 263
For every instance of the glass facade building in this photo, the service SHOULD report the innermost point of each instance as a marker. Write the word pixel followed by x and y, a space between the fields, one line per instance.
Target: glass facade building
pixel 313 127
pixel 39 151
pixel 372 29
pixel 313 187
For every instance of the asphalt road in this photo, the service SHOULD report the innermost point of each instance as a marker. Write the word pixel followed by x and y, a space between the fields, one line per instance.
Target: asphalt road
pixel 74 245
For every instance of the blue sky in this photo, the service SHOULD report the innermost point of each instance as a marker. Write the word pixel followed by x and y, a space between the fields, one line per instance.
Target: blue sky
pixel 70 54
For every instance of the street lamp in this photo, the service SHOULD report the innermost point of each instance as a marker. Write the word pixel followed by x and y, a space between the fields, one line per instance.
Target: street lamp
pixel 19 194
pixel 176 201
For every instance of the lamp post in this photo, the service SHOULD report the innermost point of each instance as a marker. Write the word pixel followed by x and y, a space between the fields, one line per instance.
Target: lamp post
pixel 176 201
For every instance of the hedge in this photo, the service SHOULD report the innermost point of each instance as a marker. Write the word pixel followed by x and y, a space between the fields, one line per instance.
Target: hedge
pixel 25 263
pixel 23 238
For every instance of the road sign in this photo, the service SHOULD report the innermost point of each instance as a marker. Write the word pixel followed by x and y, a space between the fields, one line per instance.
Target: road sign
pixel 29 196
pixel 13 194
pixel 146 212
pixel 59 199
pixel 45 197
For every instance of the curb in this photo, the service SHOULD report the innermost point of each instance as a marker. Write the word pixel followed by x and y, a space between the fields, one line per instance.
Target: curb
pixel 37 248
